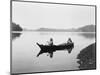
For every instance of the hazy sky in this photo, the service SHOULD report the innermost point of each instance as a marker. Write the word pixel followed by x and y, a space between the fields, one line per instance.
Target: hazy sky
pixel 37 15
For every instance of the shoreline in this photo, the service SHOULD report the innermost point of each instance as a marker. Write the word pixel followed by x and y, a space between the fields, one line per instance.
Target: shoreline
pixel 87 57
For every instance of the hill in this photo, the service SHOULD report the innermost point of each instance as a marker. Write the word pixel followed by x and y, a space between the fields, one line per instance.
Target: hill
pixel 87 28
pixel 16 27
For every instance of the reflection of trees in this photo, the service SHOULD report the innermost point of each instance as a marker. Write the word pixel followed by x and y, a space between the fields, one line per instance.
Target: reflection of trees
pixel 88 35
pixel 87 58
pixel 15 35
pixel 15 27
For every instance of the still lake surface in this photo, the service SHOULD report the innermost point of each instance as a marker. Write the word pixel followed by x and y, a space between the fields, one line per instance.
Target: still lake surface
pixel 25 50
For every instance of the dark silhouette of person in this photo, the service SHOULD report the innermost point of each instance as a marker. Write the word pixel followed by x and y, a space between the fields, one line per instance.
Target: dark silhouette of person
pixel 50 42
pixel 69 40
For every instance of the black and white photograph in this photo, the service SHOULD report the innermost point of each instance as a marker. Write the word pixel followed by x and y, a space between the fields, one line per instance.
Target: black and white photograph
pixel 52 37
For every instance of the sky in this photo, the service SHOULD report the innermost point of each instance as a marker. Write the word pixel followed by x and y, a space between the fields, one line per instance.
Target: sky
pixel 41 15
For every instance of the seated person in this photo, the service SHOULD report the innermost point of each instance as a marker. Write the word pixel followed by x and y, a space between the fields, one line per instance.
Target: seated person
pixel 69 40
pixel 50 43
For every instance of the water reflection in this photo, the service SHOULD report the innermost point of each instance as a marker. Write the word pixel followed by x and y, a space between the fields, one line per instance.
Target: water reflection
pixel 87 58
pixel 88 35
pixel 15 35
pixel 25 51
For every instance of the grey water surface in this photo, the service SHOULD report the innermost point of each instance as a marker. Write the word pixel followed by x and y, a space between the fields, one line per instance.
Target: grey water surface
pixel 25 50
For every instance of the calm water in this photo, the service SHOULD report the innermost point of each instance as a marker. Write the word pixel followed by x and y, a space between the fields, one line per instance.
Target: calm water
pixel 25 50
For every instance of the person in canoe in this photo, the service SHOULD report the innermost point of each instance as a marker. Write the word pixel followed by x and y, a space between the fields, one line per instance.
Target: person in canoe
pixel 50 43
pixel 69 41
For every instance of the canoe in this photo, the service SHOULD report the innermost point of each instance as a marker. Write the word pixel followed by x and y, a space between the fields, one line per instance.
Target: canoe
pixel 53 48
pixel 56 47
